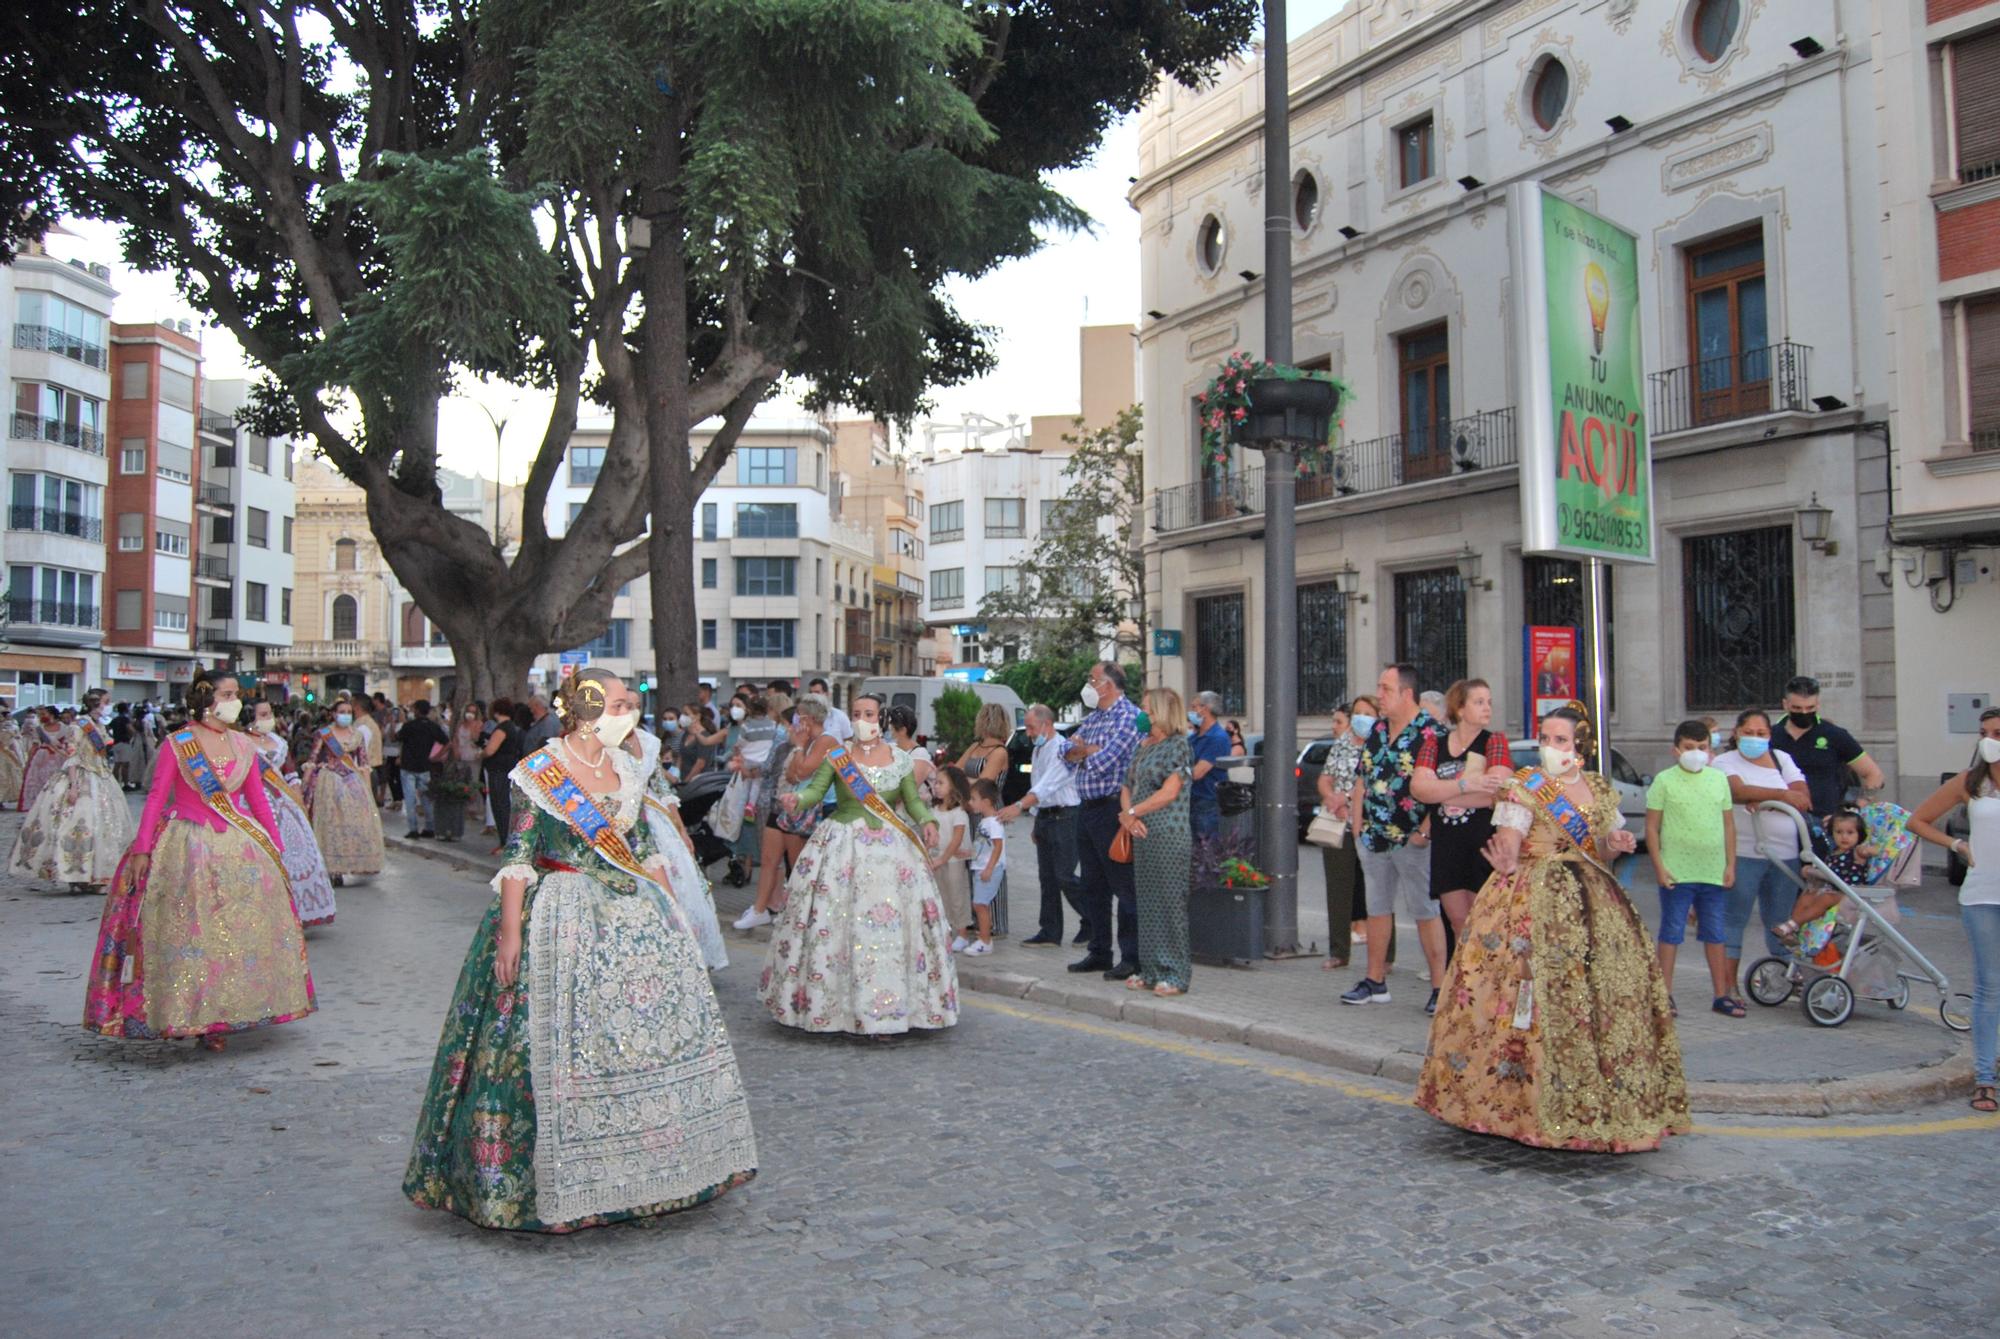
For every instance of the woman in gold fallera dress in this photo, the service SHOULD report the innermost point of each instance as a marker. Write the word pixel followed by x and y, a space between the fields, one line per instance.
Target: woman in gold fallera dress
pixel 13 761
pixel 79 826
pixel 341 800
pixel 1553 1028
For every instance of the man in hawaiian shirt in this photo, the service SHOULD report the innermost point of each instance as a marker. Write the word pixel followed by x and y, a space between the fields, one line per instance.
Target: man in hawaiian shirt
pixel 1395 835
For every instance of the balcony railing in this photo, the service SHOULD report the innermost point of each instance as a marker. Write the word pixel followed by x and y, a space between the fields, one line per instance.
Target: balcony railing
pixel 74 524
pixel 911 627
pixel 61 342
pixel 1467 445
pixel 222 425
pixel 214 632
pixel 211 567
pixel 315 655
pixel 1770 380
pixel 852 663
pixel 1986 439
pixel 36 428
pixel 51 613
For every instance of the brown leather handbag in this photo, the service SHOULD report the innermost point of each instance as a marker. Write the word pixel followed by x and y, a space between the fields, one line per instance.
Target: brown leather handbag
pixel 1121 847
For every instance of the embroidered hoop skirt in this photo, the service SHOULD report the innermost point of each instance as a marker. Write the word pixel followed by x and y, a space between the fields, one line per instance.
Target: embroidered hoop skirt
pixel 11 765
pixel 600 1087
pixel 207 943
pixel 692 891
pixel 43 764
pixel 78 828
pixel 345 822
pixel 305 867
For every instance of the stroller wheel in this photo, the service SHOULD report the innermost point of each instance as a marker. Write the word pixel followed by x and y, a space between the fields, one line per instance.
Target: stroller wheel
pixel 1956 1011
pixel 1901 999
pixel 1769 982
pixel 1829 1001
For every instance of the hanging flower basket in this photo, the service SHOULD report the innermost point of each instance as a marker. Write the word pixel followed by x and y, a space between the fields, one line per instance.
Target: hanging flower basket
pixel 1251 401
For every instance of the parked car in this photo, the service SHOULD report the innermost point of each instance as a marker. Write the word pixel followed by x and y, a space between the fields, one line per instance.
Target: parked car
pixel 1311 762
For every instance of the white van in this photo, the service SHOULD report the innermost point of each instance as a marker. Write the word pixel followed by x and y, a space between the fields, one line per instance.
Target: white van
pixel 921 694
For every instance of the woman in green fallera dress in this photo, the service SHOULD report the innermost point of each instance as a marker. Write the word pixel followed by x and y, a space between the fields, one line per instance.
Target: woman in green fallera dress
pixel 584 1076
pixel 1155 811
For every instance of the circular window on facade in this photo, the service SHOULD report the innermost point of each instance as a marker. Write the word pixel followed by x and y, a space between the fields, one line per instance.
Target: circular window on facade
pixel 1713 27
pixel 1548 93
pixel 1305 201
pixel 1209 244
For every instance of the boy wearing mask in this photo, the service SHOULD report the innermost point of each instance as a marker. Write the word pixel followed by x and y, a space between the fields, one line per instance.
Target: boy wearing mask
pixel 1691 836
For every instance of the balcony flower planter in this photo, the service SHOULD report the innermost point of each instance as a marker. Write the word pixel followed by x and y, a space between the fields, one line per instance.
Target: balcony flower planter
pixel 449 797
pixel 1250 402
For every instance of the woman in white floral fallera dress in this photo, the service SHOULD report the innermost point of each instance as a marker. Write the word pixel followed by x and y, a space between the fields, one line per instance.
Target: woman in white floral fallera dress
pixel 861 946
pixel 305 867
pixel 685 880
pixel 78 827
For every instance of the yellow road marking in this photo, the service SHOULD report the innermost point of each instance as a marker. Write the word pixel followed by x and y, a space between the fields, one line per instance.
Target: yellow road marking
pixel 1211 1054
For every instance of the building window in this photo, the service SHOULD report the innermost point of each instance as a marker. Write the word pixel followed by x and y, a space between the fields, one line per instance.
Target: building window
pixel 1424 383
pixel 287 524
pixel 1975 96
pixel 176 463
pixel 131 610
pixel 50 413
pixel 1006 518
pixel 257 530
pixel 52 596
pixel 947 522
pixel 1305 201
pixel 1211 244
pixel 1430 625
pixel 221 603
pixel 1322 635
pixel 1727 328
pixel 285 606
pixel 221 530
pixel 708 573
pixel 1218 649
pixel 708 511
pixel 1982 373
pixel 176 387
pixel 575 511
pixel 1712 26
pixel 819 576
pixel 1738 618
pixel 767 465
pixel 132 457
pixel 58 325
pixel 344 555
pixel 1415 152
pixel 257 452
pixel 135 380
pixel 1548 93
pixel 613 643
pixel 767 576
pixel 170 538
pixel 256 601
pixel 1003 580
pixel 170 613
pixel 132 532
pixel 766 638
pixel 346 621
pixel 584 464
pixel 1553 598
pixel 948 588
pixel 285 455
pixel 708 634
pixel 767 520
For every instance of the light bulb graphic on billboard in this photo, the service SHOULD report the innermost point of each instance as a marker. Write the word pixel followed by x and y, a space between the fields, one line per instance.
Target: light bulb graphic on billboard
pixel 1597 292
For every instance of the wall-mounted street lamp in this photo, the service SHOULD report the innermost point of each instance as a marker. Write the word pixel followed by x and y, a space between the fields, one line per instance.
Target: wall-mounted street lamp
pixel 1814 522
pixel 1347 583
pixel 1469 561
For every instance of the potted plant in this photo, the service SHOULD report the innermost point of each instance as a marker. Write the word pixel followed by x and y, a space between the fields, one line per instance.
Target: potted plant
pixel 1226 902
pixel 1251 401
pixel 450 793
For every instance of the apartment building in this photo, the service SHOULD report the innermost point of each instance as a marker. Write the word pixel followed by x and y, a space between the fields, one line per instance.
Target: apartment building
pixel 243 562
pixel 1937 69
pixel 1727 137
pixel 343 598
pixel 880 491
pixel 58 372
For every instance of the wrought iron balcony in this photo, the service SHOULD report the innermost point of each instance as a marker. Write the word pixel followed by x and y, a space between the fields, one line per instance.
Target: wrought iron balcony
pixel 214 495
pixel 51 613
pixel 222 425
pixel 63 343
pixel 211 567
pixel 1482 441
pixel 49 522
pixel 36 428
pixel 1773 379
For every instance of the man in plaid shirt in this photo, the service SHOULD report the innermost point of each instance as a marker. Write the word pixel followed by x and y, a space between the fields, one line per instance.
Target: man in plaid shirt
pixel 1099 755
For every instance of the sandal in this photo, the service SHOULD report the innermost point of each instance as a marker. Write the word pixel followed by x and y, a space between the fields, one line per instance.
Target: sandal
pixel 1136 983
pixel 1725 1005
pixel 1673 1009
pixel 213 1042
pixel 1984 1099
pixel 1166 991
pixel 1332 964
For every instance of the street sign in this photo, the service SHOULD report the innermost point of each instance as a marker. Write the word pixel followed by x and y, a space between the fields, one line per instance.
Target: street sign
pixel 569 659
pixel 1586 457
pixel 1166 641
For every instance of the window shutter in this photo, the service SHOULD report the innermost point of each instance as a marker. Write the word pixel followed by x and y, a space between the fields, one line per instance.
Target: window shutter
pixel 1982 366
pixel 1975 75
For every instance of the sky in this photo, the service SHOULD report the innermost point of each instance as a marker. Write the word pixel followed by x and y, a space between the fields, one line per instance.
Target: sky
pixel 1036 305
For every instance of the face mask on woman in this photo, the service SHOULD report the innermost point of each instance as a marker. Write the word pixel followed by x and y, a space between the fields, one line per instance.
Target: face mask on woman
pixel 1143 723
pixel 1715 741
pixel 1361 723
pixel 264 727
pixel 685 721
pixel 1753 746
pixel 1989 751
pixel 343 718
pixel 867 732
pixel 227 712
pixel 736 713
pixel 611 730
pixel 1558 761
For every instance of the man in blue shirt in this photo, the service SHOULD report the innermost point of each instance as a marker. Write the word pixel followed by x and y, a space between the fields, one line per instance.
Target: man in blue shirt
pixel 1098 757
pixel 1208 743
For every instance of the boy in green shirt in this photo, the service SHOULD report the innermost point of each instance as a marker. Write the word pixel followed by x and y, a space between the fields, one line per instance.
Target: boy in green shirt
pixel 1691 835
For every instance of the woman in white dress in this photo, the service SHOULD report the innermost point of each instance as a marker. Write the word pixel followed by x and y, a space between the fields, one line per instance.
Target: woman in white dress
pixel 79 825
pixel 685 879
pixel 312 886
pixel 861 946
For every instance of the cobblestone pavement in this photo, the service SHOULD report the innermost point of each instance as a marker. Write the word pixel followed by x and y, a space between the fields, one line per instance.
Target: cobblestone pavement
pixel 1030 1173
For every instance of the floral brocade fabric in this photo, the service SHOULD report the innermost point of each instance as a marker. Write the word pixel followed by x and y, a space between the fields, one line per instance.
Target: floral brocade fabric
pixel 1597 1066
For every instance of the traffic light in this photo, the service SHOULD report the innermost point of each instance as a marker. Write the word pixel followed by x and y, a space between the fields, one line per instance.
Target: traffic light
pixel 306 686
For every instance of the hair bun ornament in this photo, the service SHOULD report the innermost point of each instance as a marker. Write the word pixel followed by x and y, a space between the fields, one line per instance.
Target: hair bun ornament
pixel 578 700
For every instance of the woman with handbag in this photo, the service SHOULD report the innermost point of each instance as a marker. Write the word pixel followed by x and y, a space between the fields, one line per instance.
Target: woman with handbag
pixel 1460 772
pixel 1346 899
pixel 1153 824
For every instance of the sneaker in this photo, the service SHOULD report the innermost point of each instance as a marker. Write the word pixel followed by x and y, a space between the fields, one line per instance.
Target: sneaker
pixel 977 948
pixel 751 919
pixel 1431 1007
pixel 958 945
pixel 1367 992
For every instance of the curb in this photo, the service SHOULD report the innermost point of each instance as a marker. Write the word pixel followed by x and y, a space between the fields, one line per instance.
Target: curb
pixel 1866 1094
pixel 444 853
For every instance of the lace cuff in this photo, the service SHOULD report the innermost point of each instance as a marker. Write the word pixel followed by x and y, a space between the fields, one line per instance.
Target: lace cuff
pixel 528 873
pixel 1514 817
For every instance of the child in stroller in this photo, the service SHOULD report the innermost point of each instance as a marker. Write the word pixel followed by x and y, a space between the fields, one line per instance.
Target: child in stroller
pixel 1816 912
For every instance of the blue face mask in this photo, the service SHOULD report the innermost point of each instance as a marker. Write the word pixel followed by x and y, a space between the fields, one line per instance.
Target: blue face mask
pixel 1752 746
pixel 1194 720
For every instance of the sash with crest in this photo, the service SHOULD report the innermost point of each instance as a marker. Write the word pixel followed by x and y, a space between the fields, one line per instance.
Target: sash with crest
pixel 97 739
pixel 200 774
pixel 333 748
pixel 1547 795
pixel 576 807
pixel 857 781
pixel 275 778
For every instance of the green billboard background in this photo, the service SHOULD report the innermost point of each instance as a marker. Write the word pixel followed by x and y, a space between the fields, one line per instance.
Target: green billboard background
pixel 1603 481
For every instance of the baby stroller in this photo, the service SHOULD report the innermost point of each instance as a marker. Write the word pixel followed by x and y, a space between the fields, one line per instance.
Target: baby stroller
pixel 697 798
pixel 1867 953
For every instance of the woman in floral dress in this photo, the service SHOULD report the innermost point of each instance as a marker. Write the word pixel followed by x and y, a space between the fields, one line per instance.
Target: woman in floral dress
pixel 861 946
pixel 341 799
pixel 1553 1027
pixel 199 938
pixel 79 826
pixel 312 886
pixel 13 761
pixel 685 880
pixel 584 1076
pixel 49 746
pixel 1154 809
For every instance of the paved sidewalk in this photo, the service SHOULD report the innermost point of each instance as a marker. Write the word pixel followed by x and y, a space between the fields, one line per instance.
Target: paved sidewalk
pixel 1775 1062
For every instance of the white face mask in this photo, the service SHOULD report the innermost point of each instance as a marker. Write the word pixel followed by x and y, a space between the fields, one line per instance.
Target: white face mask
pixel 1989 751
pixel 1090 698
pixel 1558 761
pixel 613 729
pixel 227 712
pixel 103 713
pixel 868 731
pixel 685 721
pixel 1694 760
pixel 264 727
pixel 736 713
